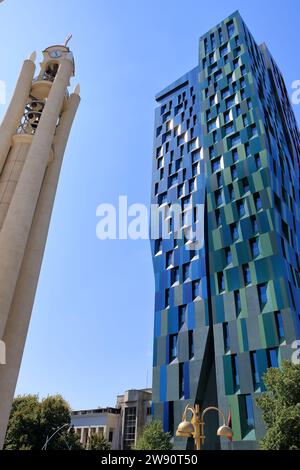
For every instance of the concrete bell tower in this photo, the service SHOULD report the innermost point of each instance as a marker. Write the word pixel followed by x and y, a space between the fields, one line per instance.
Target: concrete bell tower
pixel 33 138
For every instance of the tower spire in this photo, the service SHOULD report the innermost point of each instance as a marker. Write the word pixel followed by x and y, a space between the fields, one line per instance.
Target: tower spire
pixel 68 39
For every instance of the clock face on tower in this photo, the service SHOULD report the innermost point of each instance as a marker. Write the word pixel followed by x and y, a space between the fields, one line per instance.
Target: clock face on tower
pixel 55 54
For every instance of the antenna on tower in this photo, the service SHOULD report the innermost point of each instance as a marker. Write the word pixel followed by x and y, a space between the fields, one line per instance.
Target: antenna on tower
pixel 68 39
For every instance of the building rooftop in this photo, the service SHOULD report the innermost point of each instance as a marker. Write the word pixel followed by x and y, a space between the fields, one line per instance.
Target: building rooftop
pixel 108 410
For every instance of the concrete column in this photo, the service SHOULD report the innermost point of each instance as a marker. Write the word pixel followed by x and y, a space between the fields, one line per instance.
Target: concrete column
pixel 15 110
pixel 81 435
pixel 15 230
pixel 20 312
pixel 12 171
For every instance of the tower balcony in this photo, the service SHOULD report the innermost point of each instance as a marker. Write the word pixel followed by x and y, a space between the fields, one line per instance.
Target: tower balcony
pixel 41 87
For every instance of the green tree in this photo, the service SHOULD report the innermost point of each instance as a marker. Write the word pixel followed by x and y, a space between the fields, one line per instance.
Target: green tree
pixel 23 423
pixel 33 421
pixel 280 406
pixel 154 438
pixel 98 442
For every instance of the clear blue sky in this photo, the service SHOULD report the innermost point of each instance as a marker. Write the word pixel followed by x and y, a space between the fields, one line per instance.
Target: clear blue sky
pixel 91 331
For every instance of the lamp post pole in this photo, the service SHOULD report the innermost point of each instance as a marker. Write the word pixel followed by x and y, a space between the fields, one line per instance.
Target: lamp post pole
pixel 195 427
pixel 52 435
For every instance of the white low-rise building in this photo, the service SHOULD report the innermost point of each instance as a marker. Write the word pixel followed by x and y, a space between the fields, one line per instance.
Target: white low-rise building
pixel 121 426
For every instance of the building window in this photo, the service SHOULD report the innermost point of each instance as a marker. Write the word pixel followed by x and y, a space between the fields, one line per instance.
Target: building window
pixel 248 412
pixel 246 274
pixel 249 103
pixel 196 289
pixel 173 347
pixel 230 29
pixel 257 201
pixel 186 271
pixel 230 102
pixel 279 326
pixel 234 232
pixel 226 337
pixel 167 298
pixel 225 93
pixel 173 180
pixel 129 428
pixel 162 198
pixel 254 224
pixel 175 275
pixel 234 174
pixel 234 140
pixel 181 315
pixel 245 120
pixel 228 255
pixel 262 295
pixel 272 357
pixel 220 35
pixel 227 116
pixel 277 202
pixel 254 247
pixel 231 192
pixel 212 152
pixel 235 371
pixel 221 282
pixel 245 184
pixel 191 344
pixel 243 69
pixel 180 190
pixel 235 63
pixel 241 208
pixel 218 197
pixel 215 164
pixel 110 435
pixel 235 155
pixel 169 259
pixel 211 125
pixel 178 164
pixel 223 50
pixel 181 380
pixel 160 162
pixel 191 185
pixel 257 161
pixel 218 217
pixel 171 417
pixel 158 246
pixel 254 369
pixel 213 41
pixel 253 130
pixel 237 301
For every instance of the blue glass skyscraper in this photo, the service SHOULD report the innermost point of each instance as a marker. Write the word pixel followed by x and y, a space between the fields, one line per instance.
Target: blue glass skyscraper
pixel 226 155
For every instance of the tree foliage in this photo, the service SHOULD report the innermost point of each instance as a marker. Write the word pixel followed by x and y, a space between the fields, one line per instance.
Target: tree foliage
pixel 280 406
pixel 32 421
pixel 98 442
pixel 154 438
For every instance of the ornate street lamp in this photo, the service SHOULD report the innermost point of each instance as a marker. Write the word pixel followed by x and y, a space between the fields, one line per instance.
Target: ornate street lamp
pixel 195 427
